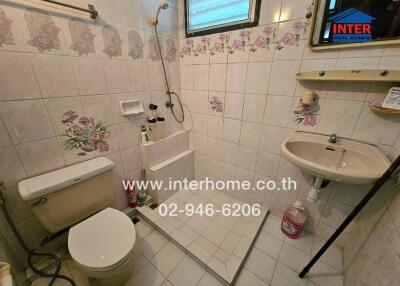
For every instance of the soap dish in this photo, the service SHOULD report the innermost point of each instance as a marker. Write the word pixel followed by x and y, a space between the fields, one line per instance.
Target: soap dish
pixel 376 106
pixel 131 107
pixel 307 103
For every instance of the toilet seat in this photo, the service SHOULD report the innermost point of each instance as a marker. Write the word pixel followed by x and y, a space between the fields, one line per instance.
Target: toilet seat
pixel 103 241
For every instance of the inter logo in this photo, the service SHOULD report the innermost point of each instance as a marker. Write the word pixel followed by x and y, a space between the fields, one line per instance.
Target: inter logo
pixel 351 26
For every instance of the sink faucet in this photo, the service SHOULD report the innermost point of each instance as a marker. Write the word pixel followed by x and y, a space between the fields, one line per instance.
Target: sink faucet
pixel 333 138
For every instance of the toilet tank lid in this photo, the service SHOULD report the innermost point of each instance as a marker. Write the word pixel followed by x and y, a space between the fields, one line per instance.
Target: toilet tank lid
pixel 38 186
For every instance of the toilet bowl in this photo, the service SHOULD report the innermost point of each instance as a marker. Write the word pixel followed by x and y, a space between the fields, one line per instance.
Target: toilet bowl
pixel 102 246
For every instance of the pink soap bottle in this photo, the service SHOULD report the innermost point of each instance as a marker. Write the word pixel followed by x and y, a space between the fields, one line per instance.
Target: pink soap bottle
pixel 293 220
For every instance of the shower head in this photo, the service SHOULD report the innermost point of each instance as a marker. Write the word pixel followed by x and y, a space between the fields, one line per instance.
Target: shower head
pixel 164 4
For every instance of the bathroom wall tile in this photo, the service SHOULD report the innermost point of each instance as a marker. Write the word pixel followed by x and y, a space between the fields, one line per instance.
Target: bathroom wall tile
pixel 11 168
pixel 231 130
pixel 98 107
pixel 173 74
pixel 200 123
pixel 214 126
pixel 17 80
pixel 357 63
pixel 238 40
pixel 290 40
pixel 187 76
pixel 250 134
pixel 213 168
pixel 198 142
pixel 117 76
pixel 339 116
pixel 128 135
pixel 90 76
pixel 4 137
pixel 258 77
pixel 156 77
pixel 131 159
pixel 253 107
pixel 267 164
pixel 216 102
pixel 214 147
pixel 219 48
pixel 40 156
pixel 57 107
pixel 270 12
pixel 262 43
pixel 217 78
pixel 201 46
pixel 229 152
pixel 236 77
pixel 292 9
pixel 317 64
pixel 283 77
pixel 228 173
pixel 277 110
pixel 200 101
pixel 247 157
pixel 361 52
pixel 348 91
pixel 201 73
pixel 385 129
pixel 21 119
pixel 234 105
pixel 272 138
pixel 53 83
pixel 200 163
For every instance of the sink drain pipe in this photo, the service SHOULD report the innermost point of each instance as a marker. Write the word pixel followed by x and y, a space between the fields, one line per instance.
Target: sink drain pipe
pixel 375 188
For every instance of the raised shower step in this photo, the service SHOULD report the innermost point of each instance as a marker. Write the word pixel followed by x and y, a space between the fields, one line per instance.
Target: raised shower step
pixel 228 239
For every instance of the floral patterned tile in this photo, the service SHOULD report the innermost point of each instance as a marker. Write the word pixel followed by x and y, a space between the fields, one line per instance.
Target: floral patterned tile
pixel 201 50
pixel 305 117
pixel 239 46
pixel 219 44
pixel 263 42
pixel 112 41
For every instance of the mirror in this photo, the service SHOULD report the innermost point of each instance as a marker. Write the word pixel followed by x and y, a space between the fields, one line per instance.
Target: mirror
pixel 349 23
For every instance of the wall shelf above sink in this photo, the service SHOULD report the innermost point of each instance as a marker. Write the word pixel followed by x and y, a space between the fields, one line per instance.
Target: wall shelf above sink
pixel 351 75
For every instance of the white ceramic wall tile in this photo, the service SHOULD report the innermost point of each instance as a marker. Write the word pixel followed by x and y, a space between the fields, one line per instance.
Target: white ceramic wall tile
pixel 236 77
pixel 52 82
pixel 253 107
pixel 17 80
pixel 258 77
pixel 21 118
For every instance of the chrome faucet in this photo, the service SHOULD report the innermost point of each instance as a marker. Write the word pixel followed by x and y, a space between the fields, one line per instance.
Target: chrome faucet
pixel 333 138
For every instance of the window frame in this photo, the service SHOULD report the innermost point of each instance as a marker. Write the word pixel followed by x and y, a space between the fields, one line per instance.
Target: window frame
pixel 209 31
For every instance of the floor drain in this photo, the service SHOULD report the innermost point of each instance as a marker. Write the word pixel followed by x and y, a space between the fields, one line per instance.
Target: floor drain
pixel 135 220
pixel 153 206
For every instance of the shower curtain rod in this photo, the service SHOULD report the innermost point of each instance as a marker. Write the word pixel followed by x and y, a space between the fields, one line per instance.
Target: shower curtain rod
pixel 91 9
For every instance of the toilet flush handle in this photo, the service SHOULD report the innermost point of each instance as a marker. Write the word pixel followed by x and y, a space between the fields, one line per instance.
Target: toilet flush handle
pixel 42 201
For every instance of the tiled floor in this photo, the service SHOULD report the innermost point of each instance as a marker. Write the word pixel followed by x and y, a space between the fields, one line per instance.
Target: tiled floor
pixel 219 243
pixel 274 260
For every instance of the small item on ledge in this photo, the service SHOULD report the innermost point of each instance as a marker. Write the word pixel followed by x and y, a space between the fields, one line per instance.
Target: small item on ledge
pixel 161 128
pixel 153 106
pixel 152 128
pixel 141 189
pixel 376 106
pixel 392 99
pixel 144 135
pixel 131 193
pixel 309 98
pixel 293 220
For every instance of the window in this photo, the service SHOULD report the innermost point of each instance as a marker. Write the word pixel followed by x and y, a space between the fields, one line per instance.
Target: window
pixel 205 17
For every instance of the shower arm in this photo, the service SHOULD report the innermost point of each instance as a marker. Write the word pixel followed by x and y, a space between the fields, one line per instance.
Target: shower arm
pixel 375 188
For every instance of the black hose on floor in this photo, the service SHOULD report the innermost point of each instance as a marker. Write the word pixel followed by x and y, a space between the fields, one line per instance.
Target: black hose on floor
pixel 32 252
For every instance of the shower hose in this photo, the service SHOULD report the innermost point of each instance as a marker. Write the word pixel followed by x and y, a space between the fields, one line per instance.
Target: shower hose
pixel 32 252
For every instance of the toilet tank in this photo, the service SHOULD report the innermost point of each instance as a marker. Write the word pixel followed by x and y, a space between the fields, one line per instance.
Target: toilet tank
pixel 64 197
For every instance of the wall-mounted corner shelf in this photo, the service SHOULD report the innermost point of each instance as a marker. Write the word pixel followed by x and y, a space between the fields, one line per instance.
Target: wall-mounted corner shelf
pixel 351 75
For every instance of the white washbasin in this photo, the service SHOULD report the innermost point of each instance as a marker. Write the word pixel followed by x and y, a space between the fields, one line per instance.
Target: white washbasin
pixel 346 161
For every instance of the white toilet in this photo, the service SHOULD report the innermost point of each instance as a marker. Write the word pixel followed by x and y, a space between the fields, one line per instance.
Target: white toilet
pixel 101 240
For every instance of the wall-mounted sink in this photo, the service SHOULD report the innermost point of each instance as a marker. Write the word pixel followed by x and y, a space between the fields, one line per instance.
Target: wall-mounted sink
pixel 346 161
